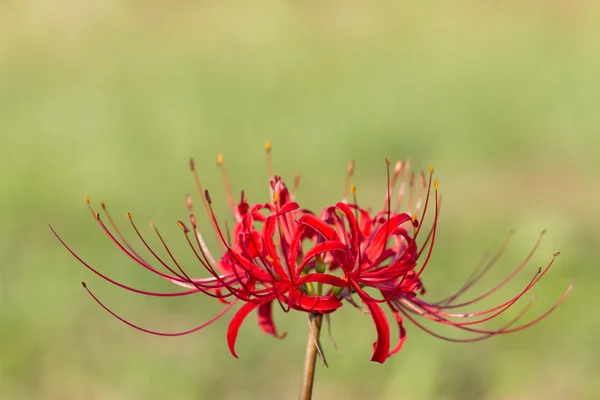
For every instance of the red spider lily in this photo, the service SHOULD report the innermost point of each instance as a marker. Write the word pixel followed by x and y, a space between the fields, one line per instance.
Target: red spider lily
pixel 350 250
pixel 259 265
pixel 381 252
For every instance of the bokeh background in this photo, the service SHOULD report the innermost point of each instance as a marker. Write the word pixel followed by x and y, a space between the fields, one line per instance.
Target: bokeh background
pixel 109 99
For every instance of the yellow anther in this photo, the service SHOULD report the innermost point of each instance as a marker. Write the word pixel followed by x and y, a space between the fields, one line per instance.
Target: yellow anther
pixel 436 183
pixel 152 224
pixel 353 188
pixel 431 169
pixel 275 197
pixel 128 215
pixel 220 159
pixel 413 219
pixel 268 146
pixel 182 226
pixel 387 161
pixel 103 205
pixel 87 199
pixel 269 259
pixel 98 216
pixel 556 254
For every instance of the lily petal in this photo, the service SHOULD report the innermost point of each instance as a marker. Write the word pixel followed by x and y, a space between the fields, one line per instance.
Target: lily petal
pixel 382 344
pixel 265 320
pixel 236 323
pixel 402 334
pixel 379 241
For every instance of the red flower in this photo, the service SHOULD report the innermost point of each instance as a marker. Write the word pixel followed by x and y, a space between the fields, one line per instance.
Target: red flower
pixel 381 252
pixel 279 253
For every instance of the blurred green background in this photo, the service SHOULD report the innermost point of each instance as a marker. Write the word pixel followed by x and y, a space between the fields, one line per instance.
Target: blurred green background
pixel 109 99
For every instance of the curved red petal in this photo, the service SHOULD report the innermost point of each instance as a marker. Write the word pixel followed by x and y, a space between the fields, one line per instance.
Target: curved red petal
pixel 401 336
pixel 318 225
pixel 288 207
pixel 353 224
pixel 268 232
pixel 295 247
pixel 320 304
pixel 379 241
pixel 382 344
pixel 265 320
pixel 235 323
pixel 323 247
pixel 322 278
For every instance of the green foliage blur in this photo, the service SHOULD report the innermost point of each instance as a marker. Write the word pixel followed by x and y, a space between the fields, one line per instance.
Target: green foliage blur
pixel 109 99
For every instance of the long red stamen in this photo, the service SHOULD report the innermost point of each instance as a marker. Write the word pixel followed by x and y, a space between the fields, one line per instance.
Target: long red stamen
pixel 160 260
pixel 139 328
pixel 116 283
pixel 226 281
pixel 190 280
pixel 116 229
pixel 507 279
pixel 478 272
pixel 202 193
pixel 174 277
pixel 200 240
pixel 434 228
pixel 502 331
pixel 469 340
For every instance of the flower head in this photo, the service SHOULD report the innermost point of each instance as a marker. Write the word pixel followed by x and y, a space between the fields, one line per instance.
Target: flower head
pixel 281 254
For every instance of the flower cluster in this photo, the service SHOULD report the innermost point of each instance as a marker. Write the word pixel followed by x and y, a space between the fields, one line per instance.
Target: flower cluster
pixel 281 254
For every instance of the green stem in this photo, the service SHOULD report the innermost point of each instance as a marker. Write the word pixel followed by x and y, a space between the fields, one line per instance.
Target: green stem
pixel 308 376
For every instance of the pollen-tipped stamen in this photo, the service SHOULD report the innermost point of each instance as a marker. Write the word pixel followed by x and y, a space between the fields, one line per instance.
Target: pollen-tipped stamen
pixel 223 280
pixel 187 277
pixel 174 277
pixel 269 162
pixel 230 250
pixel 199 238
pixel 158 258
pixel 119 234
